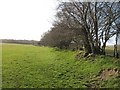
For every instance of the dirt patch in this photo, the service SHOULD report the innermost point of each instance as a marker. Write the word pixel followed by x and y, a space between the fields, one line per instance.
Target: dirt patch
pixel 102 76
pixel 108 73
pixel 82 54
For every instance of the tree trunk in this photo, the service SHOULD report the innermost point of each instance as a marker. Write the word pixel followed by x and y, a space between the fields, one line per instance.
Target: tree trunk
pixel 86 43
pixel 103 48
pixel 115 47
pixel 97 49
pixel 87 47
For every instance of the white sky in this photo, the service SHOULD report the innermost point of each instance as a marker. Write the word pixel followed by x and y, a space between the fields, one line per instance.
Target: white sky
pixel 111 41
pixel 26 19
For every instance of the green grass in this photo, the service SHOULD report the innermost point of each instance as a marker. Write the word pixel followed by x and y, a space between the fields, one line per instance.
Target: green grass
pixel 27 66
pixel 110 50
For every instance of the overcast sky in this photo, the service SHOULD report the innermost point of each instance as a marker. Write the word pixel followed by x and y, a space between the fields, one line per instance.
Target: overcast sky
pixel 26 19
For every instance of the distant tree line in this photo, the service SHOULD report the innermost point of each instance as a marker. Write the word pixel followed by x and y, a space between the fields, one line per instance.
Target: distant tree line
pixel 20 41
pixel 94 23
pixel 61 36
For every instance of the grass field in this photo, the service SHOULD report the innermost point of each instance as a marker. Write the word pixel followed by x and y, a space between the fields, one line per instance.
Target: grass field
pixel 110 50
pixel 27 66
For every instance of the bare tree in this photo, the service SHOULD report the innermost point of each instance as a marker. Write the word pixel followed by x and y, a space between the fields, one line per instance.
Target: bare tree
pixel 60 36
pixel 96 20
